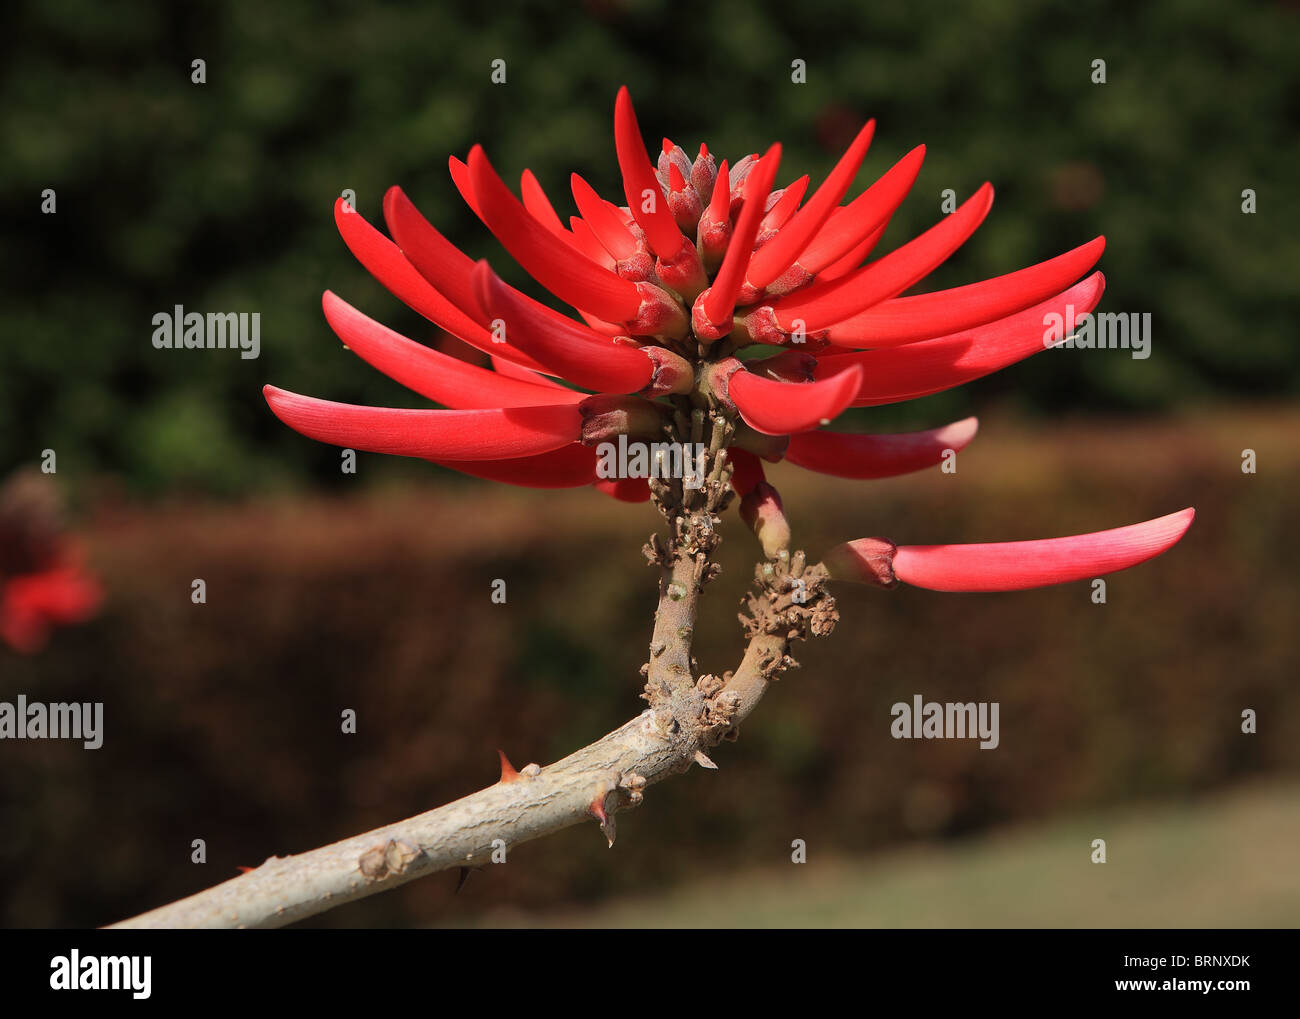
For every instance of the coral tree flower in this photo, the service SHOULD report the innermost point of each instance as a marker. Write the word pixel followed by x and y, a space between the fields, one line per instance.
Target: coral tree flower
pixel 42 581
pixel 708 285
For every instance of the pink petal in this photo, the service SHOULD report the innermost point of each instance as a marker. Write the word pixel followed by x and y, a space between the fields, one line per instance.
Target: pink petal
pixel 1016 565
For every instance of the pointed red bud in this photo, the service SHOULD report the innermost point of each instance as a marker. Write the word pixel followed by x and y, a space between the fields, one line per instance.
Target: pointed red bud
pixel 508 773
pixel 704 174
pixel 747 472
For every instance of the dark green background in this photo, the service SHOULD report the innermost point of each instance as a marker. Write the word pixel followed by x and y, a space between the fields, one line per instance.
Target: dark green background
pixel 218 196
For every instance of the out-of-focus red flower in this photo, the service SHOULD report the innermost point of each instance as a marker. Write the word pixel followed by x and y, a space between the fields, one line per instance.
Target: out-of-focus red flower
pixel 43 582
pixel 711 283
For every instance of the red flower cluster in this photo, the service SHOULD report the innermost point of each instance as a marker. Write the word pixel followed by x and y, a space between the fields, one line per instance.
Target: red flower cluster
pixel 42 581
pixel 705 262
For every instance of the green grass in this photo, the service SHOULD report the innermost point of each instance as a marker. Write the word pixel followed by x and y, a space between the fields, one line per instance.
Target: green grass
pixel 1226 861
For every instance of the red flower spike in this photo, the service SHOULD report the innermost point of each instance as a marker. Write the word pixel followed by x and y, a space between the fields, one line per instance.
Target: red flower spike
pixel 846 455
pixel 847 227
pixel 1018 565
pixel 435 376
pixel 568 349
pixel 919 369
pixel 496 434
pixel 603 220
pixel 778 254
pixel 783 408
pixel 650 211
pixel 715 305
pixel 571 466
pixel 748 470
pixel 906 319
pixel 825 304
pixel 579 282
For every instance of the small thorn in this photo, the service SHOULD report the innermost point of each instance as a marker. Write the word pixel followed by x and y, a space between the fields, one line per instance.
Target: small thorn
pixel 704 761
pixel 597 810
pixel 460 882
pixel 508 773
pixel 245 870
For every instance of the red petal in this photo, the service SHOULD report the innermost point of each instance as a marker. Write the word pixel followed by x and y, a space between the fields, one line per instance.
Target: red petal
pixel 849 226
pixel 847 263
pixel 905 319
pixel 638 177
pixel 603 219
pixel 570 350
pixel 878 456
pixel 1016 565
pixel 782 408
pixel 549 260
pixel 919 369
pixel 431 434
pixel 571 466
pixel 720 300
pixel 385 261
pixel 538 205
pixel 784 207
pixel 513 371
pixel 778 254
pixel 446 380
pixel 823 305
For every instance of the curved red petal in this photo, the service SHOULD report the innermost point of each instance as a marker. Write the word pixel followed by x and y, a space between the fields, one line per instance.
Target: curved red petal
pixel 847 455
pixel 497 434
pixel 1016 565
pixel 660 228
pixel 435 376
pixel 849 227
pixel 548 259
pixel 823 305
pixel 748 470
pixel 906 319
pixel 538 205
pixel 782 408
pixel 919 369
pixel 385 261
pixel 778 254
pixel 625 489
pixel 570 350
pixel 603 220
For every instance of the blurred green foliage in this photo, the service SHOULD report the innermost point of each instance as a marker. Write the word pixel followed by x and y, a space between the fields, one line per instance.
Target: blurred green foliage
pixel 217 196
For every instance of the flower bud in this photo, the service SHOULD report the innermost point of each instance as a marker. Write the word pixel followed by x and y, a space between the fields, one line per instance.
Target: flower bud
pixel 605 417
pixel 761 509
